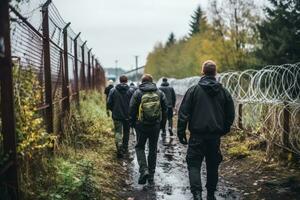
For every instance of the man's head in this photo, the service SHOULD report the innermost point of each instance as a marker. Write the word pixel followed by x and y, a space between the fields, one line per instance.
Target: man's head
pixel 165 79
pixel 209 68
pixel 123 79
pixel 147 78
pixel 110 82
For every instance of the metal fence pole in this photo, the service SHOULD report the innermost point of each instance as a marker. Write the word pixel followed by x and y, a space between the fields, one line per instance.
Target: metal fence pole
pixel 89 69
pixel 66 93
pixel 76 69
pixel 82 70
pixel 286 124
pixel 47 68
pixel 11 176
pixel 93 72
pixel 240 116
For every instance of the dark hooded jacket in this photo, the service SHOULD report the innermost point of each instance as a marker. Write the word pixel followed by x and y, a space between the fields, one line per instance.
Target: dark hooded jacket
pixel 137 97
pixel 170 94
pixel 118 101
pixel 107 90
pixel 208 110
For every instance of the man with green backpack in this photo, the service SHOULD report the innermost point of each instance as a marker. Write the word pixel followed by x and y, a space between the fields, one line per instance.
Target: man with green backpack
pixel 147 108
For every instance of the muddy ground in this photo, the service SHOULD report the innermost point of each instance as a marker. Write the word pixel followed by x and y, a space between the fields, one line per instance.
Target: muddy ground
pixel 240 178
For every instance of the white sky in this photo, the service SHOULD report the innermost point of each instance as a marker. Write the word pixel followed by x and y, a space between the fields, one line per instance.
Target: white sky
pixel 120 29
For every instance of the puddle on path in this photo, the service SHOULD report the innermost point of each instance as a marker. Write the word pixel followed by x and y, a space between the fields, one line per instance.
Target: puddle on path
pixel 171 177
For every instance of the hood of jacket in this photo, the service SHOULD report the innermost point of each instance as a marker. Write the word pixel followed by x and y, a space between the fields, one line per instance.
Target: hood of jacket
pixel 148 87
pixel 210 85
pixel 122 87
pixel 165 84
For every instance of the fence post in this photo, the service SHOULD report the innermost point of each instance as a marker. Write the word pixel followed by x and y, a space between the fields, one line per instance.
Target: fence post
pixel 89 69
pixel 65 91
pixel 286 124
pixel 76 69
pixel 82 70
pixel 240 116
pixel 93 72
pixel 11 176
pixel 47 68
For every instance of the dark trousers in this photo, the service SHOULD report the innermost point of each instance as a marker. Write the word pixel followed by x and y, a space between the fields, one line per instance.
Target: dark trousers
pixel 122 130
pixel 144 133
pixel 199 149
pixel 169 118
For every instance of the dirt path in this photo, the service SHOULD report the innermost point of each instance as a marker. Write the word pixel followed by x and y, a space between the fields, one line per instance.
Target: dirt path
pixel 171 178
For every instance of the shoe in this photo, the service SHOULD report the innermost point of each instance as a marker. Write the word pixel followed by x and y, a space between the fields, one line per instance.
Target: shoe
pixel 197 195
pixel 143 178
pixel 151 179
pixel 171 132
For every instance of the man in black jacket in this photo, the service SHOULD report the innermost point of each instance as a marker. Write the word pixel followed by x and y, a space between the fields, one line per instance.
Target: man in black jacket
pixel 118 102
pixel 171 100
pixel 208 110
pixel 106 92
pixel 147 108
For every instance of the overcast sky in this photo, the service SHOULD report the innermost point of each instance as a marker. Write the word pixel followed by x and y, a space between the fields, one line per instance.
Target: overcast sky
pixel 120 29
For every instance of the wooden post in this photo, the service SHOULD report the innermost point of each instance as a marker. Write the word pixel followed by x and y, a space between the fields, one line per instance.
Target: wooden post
pixel 47 68
pixel 11 175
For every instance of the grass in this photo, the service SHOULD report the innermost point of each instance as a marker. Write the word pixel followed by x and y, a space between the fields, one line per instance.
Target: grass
pixel 84 165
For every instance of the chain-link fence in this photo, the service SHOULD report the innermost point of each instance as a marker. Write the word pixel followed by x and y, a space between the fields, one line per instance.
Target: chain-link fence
pixel 44 65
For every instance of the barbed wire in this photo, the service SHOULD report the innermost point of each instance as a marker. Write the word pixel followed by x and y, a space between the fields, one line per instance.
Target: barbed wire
pixel 265 95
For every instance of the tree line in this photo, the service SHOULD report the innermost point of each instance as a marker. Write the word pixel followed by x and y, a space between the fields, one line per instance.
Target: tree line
pixel 235 34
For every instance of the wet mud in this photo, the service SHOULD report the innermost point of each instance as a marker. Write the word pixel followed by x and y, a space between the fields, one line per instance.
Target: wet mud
pixel 171 177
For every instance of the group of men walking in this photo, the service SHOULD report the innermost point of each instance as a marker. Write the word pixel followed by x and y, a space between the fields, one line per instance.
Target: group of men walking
pixel 207 110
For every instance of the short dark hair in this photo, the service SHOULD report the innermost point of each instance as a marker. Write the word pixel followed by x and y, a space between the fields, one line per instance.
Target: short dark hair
pixel 164 79
pixel 147 78
pixel 209 68
pixel 123 79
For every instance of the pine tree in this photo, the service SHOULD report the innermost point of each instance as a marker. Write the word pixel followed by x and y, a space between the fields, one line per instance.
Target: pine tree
pixel 280 33
pixel 171 40
pixel 198 22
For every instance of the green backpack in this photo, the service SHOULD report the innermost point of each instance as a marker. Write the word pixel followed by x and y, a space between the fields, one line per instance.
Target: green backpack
pixel 150 108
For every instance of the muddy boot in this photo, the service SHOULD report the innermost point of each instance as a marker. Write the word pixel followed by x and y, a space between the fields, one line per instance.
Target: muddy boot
pixel 151 179
pixel 197 195
pixel 143 177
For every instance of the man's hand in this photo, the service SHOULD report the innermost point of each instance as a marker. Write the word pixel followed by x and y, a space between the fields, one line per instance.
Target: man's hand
pixel 182 138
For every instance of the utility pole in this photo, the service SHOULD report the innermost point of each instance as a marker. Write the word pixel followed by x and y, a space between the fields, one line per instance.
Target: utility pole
pixel 136 68
pixel 116 69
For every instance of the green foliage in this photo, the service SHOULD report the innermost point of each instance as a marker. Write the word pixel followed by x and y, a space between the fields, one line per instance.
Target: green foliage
pixel 231 49
pixel 279 32
pixel 198 23
pixel 84 165
pixel 31 133
pixel 171 40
